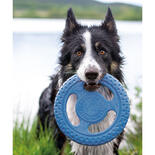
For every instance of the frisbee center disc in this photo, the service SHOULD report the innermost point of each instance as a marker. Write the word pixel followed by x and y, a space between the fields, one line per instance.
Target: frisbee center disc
pixel 90 108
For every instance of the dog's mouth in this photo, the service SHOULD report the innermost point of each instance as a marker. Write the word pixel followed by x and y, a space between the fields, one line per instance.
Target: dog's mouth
pixel 91 86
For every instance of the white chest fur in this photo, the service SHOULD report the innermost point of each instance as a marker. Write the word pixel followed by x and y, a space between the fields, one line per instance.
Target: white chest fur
pixel 106 149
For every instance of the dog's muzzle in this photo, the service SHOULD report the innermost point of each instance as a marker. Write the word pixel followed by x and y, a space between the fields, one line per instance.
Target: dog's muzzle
pixel 92 78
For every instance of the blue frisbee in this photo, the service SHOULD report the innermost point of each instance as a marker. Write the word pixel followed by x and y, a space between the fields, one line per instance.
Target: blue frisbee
pixel 91 108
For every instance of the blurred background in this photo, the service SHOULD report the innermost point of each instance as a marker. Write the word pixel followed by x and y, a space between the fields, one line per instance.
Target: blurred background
pixel 37 28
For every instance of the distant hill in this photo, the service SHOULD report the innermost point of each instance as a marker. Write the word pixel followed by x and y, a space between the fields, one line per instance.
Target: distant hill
pixel 87 9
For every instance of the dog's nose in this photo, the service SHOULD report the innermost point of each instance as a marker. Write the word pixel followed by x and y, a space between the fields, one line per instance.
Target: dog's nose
pixel 91 75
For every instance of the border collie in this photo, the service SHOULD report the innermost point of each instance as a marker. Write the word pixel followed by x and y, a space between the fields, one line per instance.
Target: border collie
pixel 89 52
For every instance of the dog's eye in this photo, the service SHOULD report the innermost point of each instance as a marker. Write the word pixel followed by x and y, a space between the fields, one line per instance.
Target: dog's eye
pixel 102 52
pixel 78 53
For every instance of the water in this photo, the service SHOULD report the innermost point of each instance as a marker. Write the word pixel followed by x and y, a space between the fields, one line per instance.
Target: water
pixel 36 45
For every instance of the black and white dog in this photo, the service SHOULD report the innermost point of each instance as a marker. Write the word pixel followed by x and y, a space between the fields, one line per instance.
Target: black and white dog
pixel 89 52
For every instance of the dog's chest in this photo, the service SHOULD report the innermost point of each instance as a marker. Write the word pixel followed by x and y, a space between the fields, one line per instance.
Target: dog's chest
pixel 106 149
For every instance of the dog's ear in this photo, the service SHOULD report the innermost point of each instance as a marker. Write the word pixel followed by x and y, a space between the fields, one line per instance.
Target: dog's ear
pixel 109 22
pixel 71 23
pixel 71 20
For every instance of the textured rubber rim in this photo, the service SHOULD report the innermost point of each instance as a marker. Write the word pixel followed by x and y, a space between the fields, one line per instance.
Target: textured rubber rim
pixel 96 138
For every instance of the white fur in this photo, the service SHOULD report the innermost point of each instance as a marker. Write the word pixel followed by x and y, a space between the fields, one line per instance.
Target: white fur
pixel 73 118
pixel 106 149
pixel 88 61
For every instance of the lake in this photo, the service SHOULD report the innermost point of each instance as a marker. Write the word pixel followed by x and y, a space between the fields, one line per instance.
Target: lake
pixel 36 45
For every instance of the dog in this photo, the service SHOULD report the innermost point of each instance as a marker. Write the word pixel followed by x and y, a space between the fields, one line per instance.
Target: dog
pixel 89 52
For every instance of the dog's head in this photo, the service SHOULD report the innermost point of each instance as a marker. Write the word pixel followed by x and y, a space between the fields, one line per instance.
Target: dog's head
pixel 91 52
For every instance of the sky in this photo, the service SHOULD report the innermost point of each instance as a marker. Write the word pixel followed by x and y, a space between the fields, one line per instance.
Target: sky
pixel 135 2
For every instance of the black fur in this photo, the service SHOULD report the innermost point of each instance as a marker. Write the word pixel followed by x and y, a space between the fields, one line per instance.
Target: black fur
pixel 106 34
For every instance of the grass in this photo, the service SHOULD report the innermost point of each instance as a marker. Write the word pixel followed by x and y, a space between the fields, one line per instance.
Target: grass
pixel 134 137
pixel 25 141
